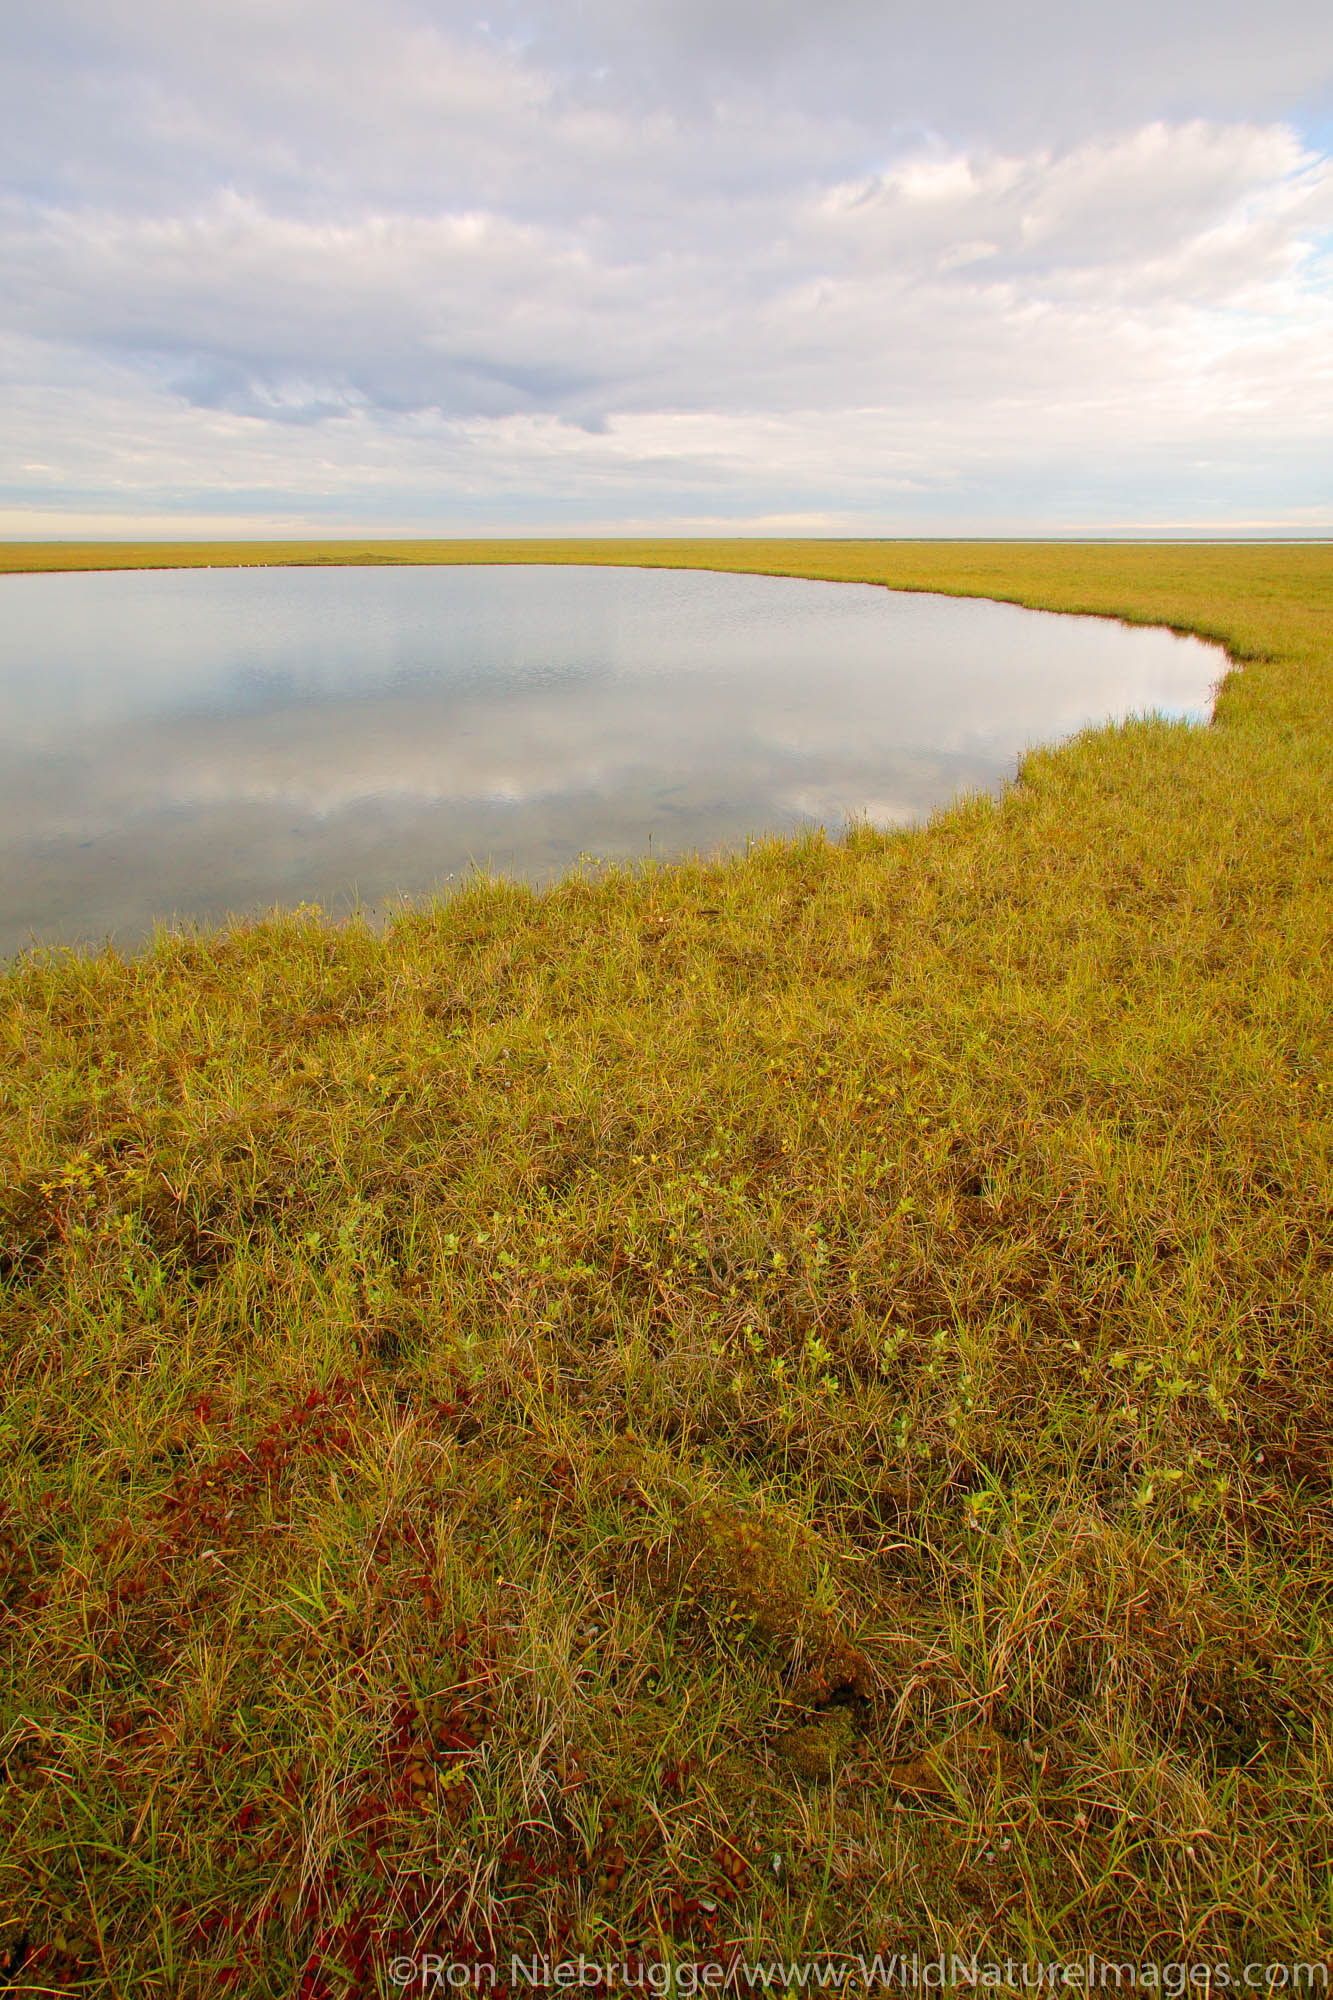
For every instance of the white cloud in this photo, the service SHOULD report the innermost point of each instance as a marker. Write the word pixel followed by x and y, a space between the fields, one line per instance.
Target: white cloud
pixel 298 264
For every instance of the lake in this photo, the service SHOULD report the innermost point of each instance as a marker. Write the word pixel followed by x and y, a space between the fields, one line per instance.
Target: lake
pixel 189 744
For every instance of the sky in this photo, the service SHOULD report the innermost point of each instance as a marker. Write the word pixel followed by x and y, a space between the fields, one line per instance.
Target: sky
pixel 868 267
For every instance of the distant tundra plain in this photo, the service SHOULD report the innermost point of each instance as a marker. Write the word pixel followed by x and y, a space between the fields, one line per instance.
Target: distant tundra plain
pixel 777 1407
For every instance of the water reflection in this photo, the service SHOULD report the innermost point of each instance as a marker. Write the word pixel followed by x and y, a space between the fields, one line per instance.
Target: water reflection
pixel 201 742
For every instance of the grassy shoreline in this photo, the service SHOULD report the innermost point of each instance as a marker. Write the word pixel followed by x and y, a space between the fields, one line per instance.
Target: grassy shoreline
pixel 780 1404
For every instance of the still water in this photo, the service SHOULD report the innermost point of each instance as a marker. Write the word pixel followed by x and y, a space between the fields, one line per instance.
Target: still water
pixel 191 744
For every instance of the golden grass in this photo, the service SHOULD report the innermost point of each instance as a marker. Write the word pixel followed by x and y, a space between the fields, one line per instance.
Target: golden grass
pixel 779 1405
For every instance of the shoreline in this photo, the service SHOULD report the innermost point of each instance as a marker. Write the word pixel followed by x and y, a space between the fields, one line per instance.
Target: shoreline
pixel 531 1414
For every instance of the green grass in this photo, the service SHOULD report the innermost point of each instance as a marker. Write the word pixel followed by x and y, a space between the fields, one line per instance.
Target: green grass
pixel 780 1403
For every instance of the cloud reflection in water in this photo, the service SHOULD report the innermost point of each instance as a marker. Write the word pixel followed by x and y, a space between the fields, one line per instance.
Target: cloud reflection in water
pixel 198 743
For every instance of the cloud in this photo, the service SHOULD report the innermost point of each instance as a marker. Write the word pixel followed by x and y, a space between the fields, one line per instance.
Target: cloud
pixel 665 263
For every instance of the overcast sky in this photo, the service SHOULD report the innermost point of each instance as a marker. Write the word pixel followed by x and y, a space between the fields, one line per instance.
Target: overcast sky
pixel 861 266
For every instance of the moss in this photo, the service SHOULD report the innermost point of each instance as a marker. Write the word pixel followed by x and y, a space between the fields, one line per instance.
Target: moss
pixel 816 1749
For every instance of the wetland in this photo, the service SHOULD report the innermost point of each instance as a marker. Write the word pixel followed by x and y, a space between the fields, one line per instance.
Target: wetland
pixel 193 744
